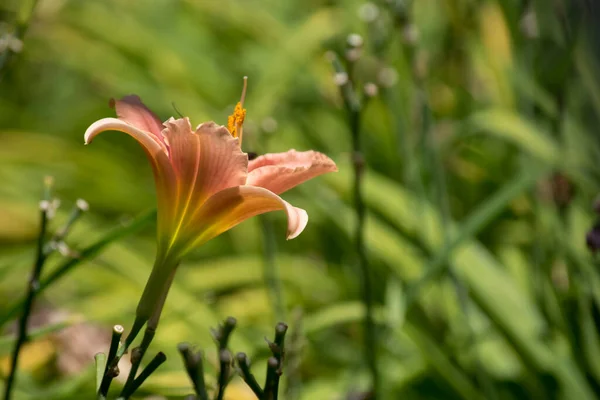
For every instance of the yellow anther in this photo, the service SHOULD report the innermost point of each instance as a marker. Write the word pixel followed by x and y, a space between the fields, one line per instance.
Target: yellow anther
pixel 235 121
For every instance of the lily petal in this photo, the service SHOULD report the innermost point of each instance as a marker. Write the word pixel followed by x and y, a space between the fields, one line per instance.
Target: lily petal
pixel 161 166
pixel 147 140
pixel 280 172
pixel 131 110
pixel 222 163
pixel 231 206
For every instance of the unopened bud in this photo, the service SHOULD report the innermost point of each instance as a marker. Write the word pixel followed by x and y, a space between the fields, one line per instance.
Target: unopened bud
pixel 371 89
pixel 355 40
pixel 368 12
pixel 340 78
pixel 353 54
pixel 82 205
pixel 387 77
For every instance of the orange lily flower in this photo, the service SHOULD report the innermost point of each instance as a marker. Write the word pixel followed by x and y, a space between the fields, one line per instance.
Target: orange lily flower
pixel 205 185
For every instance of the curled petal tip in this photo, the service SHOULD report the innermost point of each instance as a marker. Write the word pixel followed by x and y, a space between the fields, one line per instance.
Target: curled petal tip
pixel 300 220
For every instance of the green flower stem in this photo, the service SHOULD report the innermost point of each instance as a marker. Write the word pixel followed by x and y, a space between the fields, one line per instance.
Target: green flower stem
pixel 221 335
pixel 271 271
pixel 86 254
pixel 33 289
pixel 110 369
pixel 77 211
pixel 277 348
pixel 247 376
pixel 195 369
pixel 353 109
pixel 137 355
pixel 149 370
pixel 25 15
pixel 271 382
pixel 225 360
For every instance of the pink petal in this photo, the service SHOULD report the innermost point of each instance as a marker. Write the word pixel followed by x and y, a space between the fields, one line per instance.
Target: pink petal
pixel 231 206
pixel 279 172
pixel 205 162
pixel 131 110
pixel 147 140
pixel 157 155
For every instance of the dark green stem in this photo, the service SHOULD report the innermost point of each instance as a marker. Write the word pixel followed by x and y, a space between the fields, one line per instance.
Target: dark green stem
pixel 137 355
pixel 33 288
pixel 271 271
pixel 152 366
pixel 270 389
pixel 247 375
pixel 111 369
pixel 195 369
pixel 225 360
pixel 353 108
pixel 22 26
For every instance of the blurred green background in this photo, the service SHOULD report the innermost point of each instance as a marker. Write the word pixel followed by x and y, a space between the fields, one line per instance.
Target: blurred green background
pixel 482 152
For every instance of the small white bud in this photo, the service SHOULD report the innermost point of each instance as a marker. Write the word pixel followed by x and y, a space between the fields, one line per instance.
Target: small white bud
pixel 353 54
pixel 368 12
pixel 355 40
pixel 410 34
pixel 44 205
pixel 371 89
pixel 15 44
pixel 340 78
pixel 82 205
pixel 387 77
pixel 330 55
pixel 63 249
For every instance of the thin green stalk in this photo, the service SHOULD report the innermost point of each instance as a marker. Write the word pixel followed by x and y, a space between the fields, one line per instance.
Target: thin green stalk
pixel 247 376
pixel 271 270
pixel 137 355
pixel 195 369
pixel 88 253
pixel 110 368
pixel 22 26
pixel 146 372
pixel 33 288
pixel 225 360
pixel 353 109
pixel 221 335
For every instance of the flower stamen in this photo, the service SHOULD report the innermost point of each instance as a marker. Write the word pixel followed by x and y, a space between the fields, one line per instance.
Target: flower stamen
pixel 235 121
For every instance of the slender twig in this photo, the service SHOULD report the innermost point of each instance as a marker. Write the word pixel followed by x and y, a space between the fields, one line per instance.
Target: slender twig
pixel 21 29
pixel 353 108
pixel 146 372
pixel 277 348
pixel 87 253
pixel 270 389
pixel 221 336
pixel 33 288
pixel 111 369
pixel 247 376
pixel 293 356
pixel 137 355
pixel 80 207
pixel 271 270
pixel 195 369
pixel 225 360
